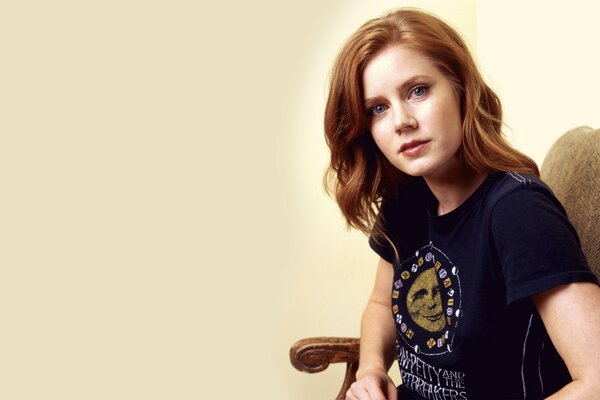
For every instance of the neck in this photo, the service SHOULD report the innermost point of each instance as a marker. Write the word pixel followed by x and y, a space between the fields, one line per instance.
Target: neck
pixel 455 187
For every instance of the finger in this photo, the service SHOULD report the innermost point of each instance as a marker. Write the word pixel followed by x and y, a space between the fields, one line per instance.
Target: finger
pixel 349 395
pixel 372 386
pixel 357 392
pixel 392 391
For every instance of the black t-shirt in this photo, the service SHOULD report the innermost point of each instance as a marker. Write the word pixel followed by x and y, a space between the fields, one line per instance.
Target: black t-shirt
pixel 466 327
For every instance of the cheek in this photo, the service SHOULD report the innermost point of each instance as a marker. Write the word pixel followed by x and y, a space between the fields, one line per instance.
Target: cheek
pixel 453 120
pixel 446 110
pixel 378 139
pixel 451 128
pixel 379 143
pixel 379 133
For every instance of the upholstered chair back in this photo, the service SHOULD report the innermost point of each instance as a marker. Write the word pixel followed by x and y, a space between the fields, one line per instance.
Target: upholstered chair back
pixel 572 169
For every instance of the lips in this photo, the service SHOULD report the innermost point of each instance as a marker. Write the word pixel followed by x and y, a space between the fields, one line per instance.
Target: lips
pixel 413 148
pixel 434 317
pixel 412 144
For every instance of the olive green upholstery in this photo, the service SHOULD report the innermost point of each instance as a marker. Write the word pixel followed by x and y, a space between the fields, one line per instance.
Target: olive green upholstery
pixel 572 169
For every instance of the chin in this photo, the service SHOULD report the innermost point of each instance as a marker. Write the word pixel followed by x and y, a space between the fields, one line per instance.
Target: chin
pixel 424 172
pixel 419 167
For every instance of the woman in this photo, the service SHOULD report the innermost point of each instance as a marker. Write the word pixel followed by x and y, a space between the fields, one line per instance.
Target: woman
pixel 482 291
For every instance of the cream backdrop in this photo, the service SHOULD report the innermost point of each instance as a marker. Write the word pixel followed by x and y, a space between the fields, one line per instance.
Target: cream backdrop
pixel 164 230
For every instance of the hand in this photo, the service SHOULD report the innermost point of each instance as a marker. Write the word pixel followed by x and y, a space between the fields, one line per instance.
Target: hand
pixel 373 386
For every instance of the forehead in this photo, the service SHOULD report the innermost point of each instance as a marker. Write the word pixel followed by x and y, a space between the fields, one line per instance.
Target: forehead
pixel 426 279
pixel 394 65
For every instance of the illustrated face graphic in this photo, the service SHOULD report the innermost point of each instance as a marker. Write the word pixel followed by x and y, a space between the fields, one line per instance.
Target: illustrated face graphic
pixel 424 302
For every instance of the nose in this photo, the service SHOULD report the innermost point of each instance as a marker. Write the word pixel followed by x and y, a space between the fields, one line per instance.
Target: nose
pixel 404 119
pixel 431 302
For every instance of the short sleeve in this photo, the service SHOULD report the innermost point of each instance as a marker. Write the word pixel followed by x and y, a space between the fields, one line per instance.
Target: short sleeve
pixel 537 247
pixel 379 244
pixel 384 250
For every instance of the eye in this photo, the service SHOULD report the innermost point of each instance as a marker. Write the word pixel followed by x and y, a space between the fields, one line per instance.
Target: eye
pixel 419 294
pixel 377 109
pixel 419 91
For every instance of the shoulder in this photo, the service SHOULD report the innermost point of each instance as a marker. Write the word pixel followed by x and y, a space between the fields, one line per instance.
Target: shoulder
pixel 536 245
pixel 513 194
pixel 514 183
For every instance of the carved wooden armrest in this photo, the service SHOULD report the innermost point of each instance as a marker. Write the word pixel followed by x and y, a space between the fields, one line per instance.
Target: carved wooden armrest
pixel 315 354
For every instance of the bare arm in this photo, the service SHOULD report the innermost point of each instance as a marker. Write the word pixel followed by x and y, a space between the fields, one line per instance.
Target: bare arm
pixel 377 333
pixel 571 314
pixel 377 342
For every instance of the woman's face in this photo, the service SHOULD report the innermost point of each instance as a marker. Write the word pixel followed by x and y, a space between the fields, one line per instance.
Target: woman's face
pixel 413 112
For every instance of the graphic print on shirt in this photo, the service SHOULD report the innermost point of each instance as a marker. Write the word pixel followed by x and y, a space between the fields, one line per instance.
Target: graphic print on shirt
pixel 426 301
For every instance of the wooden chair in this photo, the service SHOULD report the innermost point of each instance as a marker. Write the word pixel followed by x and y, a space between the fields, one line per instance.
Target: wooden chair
pixel 571 168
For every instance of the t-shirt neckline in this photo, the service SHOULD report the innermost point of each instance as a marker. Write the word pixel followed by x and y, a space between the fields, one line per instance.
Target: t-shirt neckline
pixel 459 211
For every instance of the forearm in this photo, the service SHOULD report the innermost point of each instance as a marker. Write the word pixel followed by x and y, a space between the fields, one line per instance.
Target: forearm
pixel 377 339
pixel 577 390
pixel 574 304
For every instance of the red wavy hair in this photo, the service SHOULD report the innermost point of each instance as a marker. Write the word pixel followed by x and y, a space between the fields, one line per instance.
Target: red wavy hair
pixel 359 176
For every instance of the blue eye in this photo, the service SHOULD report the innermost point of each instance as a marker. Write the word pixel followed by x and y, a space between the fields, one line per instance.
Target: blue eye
pixel 419 91
pixel 378 109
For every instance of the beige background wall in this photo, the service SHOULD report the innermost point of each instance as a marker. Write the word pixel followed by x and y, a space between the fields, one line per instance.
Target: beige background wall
pixel 164 233
pixel 541 57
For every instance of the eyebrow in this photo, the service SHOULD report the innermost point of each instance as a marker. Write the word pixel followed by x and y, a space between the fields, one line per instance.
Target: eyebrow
pixel 419 293
pixel 403 87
